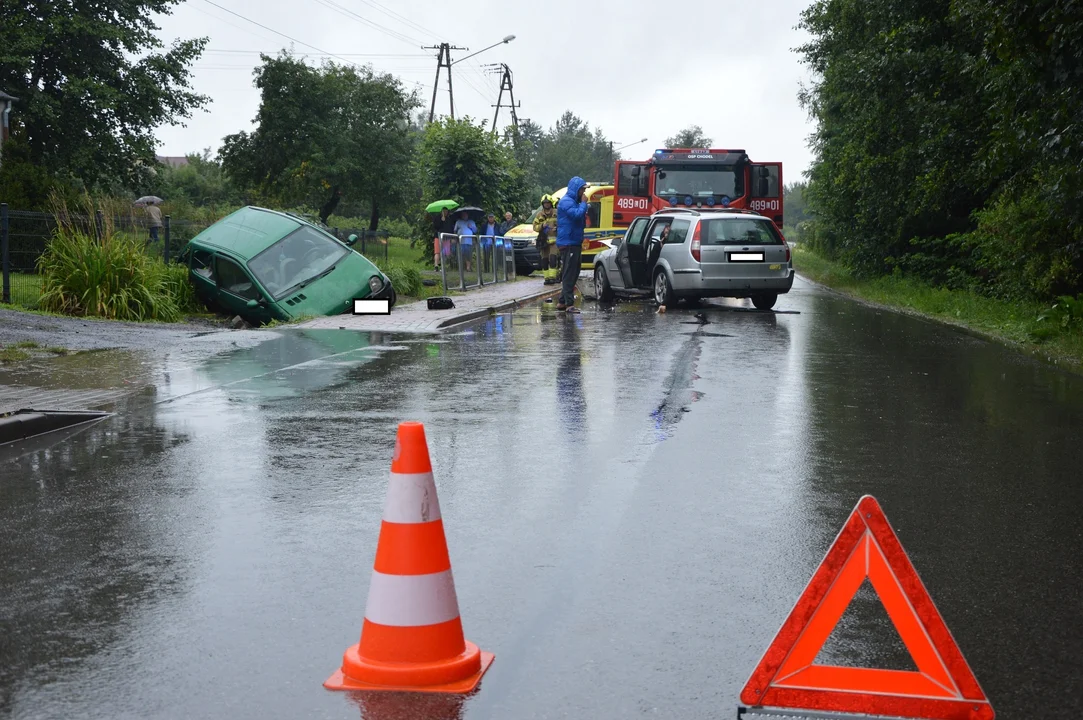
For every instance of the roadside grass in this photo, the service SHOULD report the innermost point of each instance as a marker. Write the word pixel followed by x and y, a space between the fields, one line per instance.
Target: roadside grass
pixel 12 354
pixel 1024 324
pixel 25 290
pixel 294 321
pixel 28 349
pixel 399 251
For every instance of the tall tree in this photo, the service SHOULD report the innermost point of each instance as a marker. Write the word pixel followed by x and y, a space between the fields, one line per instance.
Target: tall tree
pixel 92 84
pixel 325 135
pixel 900 121
pixel 572 148
pixel 691 137
pixel 461 161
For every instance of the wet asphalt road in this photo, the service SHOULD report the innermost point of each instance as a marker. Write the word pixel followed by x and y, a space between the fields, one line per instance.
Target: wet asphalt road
pixel 633 502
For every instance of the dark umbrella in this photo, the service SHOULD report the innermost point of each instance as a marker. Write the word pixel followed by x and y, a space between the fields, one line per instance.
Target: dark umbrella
pixel 470 209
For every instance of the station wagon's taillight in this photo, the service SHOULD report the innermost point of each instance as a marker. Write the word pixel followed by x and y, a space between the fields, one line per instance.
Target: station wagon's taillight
pixel 696 242
pixel 787 252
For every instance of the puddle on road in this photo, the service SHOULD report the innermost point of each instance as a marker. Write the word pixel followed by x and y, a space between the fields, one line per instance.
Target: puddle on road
pixel 88 370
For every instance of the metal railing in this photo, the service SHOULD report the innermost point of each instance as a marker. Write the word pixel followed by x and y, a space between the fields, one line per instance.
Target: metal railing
pixel 24 235
pixel 475 260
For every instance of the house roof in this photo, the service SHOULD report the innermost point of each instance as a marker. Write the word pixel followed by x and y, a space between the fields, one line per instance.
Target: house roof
pixel 172 161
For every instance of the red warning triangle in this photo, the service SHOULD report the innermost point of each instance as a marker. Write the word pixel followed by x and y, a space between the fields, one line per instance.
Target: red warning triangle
pixel 943 688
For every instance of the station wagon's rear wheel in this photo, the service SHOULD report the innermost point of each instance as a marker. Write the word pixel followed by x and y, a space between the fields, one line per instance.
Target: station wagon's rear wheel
pixel 764 301
pixel 602 289
pixel 663 291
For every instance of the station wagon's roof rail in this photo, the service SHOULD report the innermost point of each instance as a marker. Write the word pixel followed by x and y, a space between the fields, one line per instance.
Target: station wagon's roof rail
pixel 687 211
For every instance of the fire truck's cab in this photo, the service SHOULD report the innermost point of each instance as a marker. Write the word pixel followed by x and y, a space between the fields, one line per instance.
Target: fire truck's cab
pixel 697 178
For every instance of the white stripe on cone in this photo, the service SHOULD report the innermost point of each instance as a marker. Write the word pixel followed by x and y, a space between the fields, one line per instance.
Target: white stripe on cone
pixel 411 498
pixel 412 600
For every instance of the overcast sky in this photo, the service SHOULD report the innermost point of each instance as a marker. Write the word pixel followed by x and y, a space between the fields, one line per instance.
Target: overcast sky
pixel 637 68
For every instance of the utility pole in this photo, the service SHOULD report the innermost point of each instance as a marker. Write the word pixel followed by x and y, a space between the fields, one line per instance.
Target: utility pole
pixel 443 60
pixel 506 83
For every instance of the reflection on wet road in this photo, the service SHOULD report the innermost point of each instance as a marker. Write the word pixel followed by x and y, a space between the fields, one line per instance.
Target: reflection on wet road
pixel 632 501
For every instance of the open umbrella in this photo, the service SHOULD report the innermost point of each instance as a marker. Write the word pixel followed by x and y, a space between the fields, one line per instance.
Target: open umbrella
pixel 435 207
pixel 472 210
pixel 147 200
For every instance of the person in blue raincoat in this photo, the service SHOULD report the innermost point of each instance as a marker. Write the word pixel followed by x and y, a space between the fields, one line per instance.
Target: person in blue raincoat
pixel 571 222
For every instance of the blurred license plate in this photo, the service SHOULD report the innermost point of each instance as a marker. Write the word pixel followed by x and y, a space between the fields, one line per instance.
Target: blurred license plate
pixel 776 267
pixel 746 257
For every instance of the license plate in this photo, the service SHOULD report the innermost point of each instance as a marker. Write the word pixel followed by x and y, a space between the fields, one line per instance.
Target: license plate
pixel 746 257
pixel 776 267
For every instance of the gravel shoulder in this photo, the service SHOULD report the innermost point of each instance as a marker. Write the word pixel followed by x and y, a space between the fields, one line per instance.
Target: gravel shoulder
pixel 76 334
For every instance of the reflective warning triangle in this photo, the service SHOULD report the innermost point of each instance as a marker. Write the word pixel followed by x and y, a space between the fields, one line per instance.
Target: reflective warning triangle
pixel 943 688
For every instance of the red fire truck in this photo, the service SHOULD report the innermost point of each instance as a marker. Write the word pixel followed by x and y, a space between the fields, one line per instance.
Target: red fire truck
pixel 697 178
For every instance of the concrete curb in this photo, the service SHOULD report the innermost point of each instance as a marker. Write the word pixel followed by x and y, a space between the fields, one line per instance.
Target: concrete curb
pixel 474 315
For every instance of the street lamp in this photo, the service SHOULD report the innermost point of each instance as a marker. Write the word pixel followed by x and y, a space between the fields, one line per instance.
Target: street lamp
pixel 613 153
pixel 637 142
pixel 505 41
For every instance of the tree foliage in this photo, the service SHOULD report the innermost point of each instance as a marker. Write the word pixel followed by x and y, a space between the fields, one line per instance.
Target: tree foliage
pixel 797 213
pixel 948 142
pixel 691 137
pixel 326 135
pixel 93 81
pixel 200 183
pixel 572 148
pixel 462 161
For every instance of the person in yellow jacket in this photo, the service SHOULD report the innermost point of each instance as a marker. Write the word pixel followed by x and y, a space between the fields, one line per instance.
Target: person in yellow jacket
pixel 545 224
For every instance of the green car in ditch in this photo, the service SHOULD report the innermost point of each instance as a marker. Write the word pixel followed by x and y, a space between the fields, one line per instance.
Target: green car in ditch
pixel 266 265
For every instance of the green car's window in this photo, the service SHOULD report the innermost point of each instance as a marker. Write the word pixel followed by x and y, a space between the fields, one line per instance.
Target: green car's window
pixel 302 255
pixel 202 265
pixel 233 279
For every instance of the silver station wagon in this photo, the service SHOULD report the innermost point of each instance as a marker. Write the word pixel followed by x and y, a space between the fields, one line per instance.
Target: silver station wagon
pixel 684 254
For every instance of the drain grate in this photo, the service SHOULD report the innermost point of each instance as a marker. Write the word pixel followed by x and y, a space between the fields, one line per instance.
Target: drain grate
pixel 25 424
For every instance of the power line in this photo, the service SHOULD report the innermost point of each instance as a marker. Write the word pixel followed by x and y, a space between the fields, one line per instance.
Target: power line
pixel 242 17
pixel 233 25
pixel 394 15
pixel 396 56
pixel 368 23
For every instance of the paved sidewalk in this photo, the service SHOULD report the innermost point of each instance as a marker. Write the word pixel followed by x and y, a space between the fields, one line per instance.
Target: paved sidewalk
pixel 417 318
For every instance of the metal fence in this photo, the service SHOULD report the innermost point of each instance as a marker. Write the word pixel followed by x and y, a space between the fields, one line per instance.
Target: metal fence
pixel 475 261
pixel 24 236
pixel 370 243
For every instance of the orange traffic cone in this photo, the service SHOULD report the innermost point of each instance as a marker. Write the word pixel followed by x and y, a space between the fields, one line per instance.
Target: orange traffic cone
pixel 412 637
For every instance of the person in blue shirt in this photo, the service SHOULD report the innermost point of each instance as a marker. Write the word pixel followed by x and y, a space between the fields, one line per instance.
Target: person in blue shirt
pixel 571 222
pixel 490 230
pixel 466 230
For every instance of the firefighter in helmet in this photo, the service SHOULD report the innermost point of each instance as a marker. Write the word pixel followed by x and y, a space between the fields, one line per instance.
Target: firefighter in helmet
pixel 545 224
